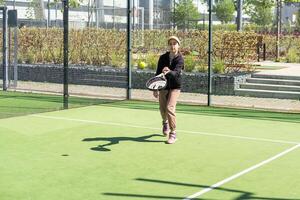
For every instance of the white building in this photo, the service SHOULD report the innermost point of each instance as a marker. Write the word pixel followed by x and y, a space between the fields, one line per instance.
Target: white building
pixel 105 13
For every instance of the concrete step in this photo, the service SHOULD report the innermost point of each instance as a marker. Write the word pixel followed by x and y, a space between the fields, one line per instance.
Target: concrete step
pixel 256 86
pixel 273 81
pixel 268 76
pixel 267 94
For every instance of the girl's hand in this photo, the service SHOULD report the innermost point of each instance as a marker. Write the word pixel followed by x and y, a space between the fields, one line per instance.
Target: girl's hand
pixel 166 70
pixel 155 94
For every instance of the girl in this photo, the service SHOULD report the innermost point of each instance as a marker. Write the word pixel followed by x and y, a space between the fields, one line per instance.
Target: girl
pixel 171 64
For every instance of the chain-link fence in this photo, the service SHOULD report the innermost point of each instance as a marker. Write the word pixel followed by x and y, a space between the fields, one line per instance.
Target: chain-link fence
pixel 98 57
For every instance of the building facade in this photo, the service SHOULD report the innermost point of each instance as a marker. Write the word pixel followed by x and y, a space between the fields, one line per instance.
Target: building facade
pixel 152 14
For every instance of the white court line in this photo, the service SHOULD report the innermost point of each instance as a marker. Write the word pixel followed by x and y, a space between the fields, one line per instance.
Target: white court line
pixel 218 184
pixel 183 131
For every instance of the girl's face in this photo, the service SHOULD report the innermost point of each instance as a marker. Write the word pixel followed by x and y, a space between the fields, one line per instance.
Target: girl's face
pixel 173 46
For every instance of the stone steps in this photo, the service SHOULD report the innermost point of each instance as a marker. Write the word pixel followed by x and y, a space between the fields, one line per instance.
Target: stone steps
pixel 270 86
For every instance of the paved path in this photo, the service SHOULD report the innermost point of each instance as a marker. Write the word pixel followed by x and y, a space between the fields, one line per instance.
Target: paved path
pixel 289 69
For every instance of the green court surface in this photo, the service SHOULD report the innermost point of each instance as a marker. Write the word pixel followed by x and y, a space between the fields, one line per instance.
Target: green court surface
pixel 115 150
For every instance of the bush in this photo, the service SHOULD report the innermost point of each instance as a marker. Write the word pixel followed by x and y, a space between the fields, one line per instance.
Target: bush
pixel 189 63
pixel 118 60
pixel 292 56
pixel 219 66
pixel 202 68
pixel 30 58
pixel 151 60
pixel 108 47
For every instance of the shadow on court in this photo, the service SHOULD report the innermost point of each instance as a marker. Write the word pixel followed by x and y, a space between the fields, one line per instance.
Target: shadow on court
pixel 242 195
pixel 116 140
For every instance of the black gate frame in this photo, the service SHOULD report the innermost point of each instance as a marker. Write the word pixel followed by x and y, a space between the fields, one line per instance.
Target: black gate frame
pixel 4 47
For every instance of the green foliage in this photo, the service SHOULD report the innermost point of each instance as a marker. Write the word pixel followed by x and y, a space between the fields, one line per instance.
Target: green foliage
pixel 298 19
pixel 108 47
pixel 185 13
pixel 224 10
pixel 189 63
pixel 118 60
pixel 151 61
pixel 287 42
pixel 30 58
pixel 260 11
pixel 287 27
pixel 291 1
pixel 258 28
pixel 218 66
pixel 293 55
pixel 217 27
pixel 202 68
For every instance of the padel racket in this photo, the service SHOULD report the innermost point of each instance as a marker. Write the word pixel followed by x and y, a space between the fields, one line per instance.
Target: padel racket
pixel 157 83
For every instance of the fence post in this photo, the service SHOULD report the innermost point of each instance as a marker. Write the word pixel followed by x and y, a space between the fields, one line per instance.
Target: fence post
pixel 264 51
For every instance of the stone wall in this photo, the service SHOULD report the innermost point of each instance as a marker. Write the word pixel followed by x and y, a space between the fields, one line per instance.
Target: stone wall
pixel 114 77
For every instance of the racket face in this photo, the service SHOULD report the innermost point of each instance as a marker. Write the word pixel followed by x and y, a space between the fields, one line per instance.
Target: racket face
pixel 156 83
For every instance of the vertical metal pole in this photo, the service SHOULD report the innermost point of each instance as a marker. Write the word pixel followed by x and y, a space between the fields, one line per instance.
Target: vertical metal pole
pixel 209 53
pixel 151 14
pixel 133 15
pixel 174 4
pixel 240 16
pixel 97 13
pixel 48 19
pixel 143 24
pixel 66 51
pixel 114 14
pixel 5 70
pixel 15 51
pixel 56 7
pixel 9 72
pixel 203 25
pixel 100 14
pixel 280 17
pixel 137 14
pixel 278 30
pixel 129 49
pixel 15 56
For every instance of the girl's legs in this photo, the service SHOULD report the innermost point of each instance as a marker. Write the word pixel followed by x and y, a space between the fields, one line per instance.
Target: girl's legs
pixel 167 106
pixel 171 108
pixel 163 100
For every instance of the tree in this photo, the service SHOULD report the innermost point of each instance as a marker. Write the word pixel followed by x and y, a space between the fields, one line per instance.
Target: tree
pixel 260 11
pixel 225 10
pixel 298 19
pixel 186 14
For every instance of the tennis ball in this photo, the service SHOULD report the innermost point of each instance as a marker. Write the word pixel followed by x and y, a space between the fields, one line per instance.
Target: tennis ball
pixel 142 65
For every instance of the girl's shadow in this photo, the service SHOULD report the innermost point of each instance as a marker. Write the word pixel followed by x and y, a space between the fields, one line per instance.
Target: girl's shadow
pixel 117 140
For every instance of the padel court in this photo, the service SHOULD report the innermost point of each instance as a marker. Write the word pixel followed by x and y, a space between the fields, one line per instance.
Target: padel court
pixel 115 150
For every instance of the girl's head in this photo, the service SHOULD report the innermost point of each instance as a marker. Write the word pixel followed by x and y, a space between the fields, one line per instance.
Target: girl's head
pixel 173 43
